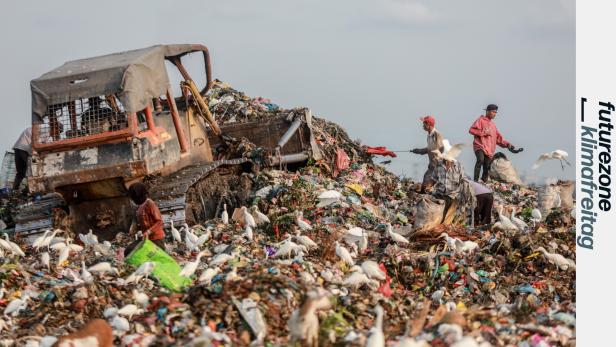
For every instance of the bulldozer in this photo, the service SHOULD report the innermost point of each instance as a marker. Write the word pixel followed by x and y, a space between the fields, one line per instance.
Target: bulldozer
pixel 102 123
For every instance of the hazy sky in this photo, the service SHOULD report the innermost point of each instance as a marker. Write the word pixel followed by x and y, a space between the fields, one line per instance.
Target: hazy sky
pixel 373 66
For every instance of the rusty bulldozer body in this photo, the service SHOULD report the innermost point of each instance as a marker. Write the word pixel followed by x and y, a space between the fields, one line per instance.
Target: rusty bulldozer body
pixel 101 123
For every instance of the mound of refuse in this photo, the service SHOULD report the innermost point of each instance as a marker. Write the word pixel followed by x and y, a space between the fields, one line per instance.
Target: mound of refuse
pixel 326 255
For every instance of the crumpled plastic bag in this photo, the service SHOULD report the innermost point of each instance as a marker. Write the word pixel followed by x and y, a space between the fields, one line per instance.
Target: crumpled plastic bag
pixel 167 270
pixel 429 213
pixel 502 170
pixel 566 195
pixel 548 197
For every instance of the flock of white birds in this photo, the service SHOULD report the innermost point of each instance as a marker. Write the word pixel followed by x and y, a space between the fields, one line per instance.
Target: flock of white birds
pixel 56 252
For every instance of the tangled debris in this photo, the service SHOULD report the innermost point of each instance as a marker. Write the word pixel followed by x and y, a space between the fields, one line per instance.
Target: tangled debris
pixel 331 259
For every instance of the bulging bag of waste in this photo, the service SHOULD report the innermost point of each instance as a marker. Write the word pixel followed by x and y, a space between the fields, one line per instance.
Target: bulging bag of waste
pixel 502 170
pixel 166 270
pixel 548 197
pixel 566 194
pixel 429 213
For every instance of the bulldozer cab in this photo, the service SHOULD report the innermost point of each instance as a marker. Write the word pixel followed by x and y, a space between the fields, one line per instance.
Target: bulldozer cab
pixel 101 123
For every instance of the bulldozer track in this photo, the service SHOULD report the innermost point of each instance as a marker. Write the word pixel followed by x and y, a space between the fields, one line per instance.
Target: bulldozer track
pixel 169 193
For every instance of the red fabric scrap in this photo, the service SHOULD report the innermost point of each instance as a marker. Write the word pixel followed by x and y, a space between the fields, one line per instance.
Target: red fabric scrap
pixel 379 151
pixel 342 161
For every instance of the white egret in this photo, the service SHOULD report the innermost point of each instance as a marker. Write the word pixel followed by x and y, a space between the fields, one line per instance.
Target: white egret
pixel 505 221
pixel 395 236
pixel 37 242
pixel 344 254
pixel 86 276
pixel 175 233
pixel 225 215
pixel 207 275
pixel 305 240
pixel 372 270
pixel 16 305
pixel 301 223
pixel 130 310
pixel 248 232
pixel 144 270
pixel 248 218
pixel 45 260
pixel 376 337
pixel 558 154
pixel 259 217
pixel 358 278
pixel 560 261
pixel 190 268
pixel 517 221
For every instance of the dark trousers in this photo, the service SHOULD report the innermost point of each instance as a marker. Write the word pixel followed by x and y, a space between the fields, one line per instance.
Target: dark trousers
pixel 132 246
pixel 21 166
pixel 482 161
pixel 483 210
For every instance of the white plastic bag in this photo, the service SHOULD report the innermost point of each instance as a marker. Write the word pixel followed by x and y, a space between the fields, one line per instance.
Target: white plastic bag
pixel 548 197
pixel 429 213
pixel 502 170
pixel 566 195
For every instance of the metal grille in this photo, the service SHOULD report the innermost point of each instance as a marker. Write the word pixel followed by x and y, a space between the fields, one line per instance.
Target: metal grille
pixel 82 117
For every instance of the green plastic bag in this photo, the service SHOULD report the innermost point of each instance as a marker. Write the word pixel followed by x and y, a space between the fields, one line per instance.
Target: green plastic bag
pixel 166 270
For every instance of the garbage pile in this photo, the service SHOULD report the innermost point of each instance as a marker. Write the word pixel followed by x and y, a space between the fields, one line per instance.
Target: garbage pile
pixel 326 255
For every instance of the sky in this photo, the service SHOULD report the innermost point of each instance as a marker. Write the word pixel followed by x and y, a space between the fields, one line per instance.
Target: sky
pixel 372 66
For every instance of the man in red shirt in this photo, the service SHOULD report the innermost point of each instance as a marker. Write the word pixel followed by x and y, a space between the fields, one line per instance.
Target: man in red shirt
pixel 487 137
pixel 149 219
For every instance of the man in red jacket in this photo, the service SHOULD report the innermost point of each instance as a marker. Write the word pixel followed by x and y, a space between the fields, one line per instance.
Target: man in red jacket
pixel 487 137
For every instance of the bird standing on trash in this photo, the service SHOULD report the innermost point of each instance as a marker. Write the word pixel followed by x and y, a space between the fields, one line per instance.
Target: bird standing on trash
pixel 225 215
pixel 486 137
pixel 344 254
pixel 17 305
pixel 372 269
pixel 376 337
pixel 305 240
pixel 248 218
pixel 301 223
pixel 395 236
pixel 190 268
pixel 175 233
pixel 434 143
pixel 560 261
pixel 144 270
pixel 304 323
pixel 259 217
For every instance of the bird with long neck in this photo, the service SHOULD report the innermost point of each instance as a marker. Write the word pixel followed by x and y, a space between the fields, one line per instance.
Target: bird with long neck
pixel 505 221
pixel 260 218
pixel 344 254
pixel 304 322
pixel 248 218
pixel 395 236
pixel 560 261
pixel 225 215
pixel 37 242
pixel 190 268
pixel 377 338
pixel 175 233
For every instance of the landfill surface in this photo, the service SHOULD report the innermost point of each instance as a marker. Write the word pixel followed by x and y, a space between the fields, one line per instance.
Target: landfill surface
pixel 369 277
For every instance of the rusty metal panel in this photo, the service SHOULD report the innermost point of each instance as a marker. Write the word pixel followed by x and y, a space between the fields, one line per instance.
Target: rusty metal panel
pixel 125 170
pixel 266 134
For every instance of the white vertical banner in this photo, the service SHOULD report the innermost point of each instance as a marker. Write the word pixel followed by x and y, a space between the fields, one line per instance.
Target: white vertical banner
pixel 595 207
